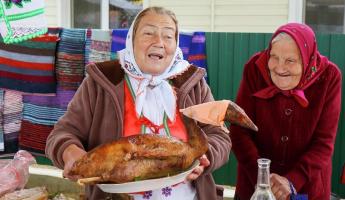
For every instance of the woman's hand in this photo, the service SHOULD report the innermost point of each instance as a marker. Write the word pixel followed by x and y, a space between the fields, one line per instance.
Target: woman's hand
pixel 280 187
pixel 69 156
pixel 204 162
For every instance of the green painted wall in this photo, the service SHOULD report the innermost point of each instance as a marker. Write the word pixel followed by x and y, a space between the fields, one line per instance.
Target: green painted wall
pixel 226 55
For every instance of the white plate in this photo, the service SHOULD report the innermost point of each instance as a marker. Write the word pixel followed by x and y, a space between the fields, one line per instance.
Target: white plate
pixel 150 184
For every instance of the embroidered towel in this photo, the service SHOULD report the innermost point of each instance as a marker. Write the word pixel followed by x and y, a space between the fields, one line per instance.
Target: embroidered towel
pixel 21 20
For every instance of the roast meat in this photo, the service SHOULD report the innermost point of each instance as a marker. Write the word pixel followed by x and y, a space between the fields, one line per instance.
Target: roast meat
pixel 147 156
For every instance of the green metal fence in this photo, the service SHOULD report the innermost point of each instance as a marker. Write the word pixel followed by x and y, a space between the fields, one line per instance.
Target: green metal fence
pixel 226 56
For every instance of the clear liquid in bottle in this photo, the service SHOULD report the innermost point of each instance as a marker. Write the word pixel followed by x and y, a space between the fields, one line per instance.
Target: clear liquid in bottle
pixel 263 189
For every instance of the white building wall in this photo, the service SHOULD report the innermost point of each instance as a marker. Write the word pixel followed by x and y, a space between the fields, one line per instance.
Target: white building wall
pixel 250 15
pixel 228 15
pixel 51 11
pixel 191 14
pixel 206 15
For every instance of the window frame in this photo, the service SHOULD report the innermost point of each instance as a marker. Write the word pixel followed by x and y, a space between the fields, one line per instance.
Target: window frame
pixel 65 13
pixel 296 11
pixel 302 9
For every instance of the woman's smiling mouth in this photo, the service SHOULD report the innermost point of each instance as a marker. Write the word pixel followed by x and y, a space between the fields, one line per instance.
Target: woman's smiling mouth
pixel 155 56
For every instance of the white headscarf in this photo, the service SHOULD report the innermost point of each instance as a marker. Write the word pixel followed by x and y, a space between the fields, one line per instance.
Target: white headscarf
pixel 153 93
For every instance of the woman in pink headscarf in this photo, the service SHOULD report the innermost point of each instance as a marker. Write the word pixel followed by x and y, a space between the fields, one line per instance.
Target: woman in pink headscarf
pixel 292 93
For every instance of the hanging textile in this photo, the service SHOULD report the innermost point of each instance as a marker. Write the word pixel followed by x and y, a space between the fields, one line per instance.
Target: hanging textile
pixel 29 66
pixel 40 113
pixel 21 20
pixel 2 140
pixel 193 46
pixel 87 46
pixel 12 111
pixel 70 58
pixel 118 41
pixel 100 47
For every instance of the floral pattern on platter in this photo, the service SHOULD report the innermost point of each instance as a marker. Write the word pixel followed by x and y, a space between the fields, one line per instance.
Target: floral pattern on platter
pixel 166 191
pixel 18 3
pixel 147 194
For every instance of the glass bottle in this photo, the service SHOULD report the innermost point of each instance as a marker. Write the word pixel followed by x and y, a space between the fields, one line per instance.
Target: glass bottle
pixel 263 188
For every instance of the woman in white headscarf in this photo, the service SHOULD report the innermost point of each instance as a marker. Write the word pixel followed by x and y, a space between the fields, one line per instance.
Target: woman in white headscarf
pixel 140 94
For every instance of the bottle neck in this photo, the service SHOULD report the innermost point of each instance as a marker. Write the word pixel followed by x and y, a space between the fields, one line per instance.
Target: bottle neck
pixel 263 175
pixel 263 189
pixel 263 172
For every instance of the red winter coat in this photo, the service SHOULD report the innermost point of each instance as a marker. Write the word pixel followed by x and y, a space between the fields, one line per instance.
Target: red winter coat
pixel 299 141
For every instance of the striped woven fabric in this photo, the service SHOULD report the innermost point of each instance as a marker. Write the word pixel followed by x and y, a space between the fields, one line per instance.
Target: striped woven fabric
pixel 13 107
pixel 100 47
pixel 118 41
pixel 29 66
pixel 12 116
pixel 193 46
pixel 70 58
pixel 61 100
pixel 33 137
pixel 185 38
pixel 197 51
pixel 40 113
pixel 87 45
pixel 2 141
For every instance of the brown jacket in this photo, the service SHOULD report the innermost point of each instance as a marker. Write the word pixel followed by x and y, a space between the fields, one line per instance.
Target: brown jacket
pixel 95 116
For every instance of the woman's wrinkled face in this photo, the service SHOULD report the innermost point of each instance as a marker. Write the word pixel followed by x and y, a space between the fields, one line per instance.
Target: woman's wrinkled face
pixel 154 43
pixel 285 64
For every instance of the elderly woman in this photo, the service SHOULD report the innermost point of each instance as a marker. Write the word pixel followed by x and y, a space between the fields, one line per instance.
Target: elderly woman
pixel 292 93
pixel 141 93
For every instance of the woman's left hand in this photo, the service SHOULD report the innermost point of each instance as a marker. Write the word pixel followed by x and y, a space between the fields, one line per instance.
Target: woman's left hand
pixel 280 187
pixel 204 162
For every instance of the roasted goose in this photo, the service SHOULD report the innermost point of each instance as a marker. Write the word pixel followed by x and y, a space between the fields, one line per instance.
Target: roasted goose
pixel 147 156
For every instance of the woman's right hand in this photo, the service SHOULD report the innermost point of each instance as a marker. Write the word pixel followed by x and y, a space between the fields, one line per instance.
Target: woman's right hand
pixel 69 156
pixel 280 187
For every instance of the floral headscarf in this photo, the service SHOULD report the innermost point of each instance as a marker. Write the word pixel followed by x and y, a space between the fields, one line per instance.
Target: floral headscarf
pixel 312 61
pixel 154 94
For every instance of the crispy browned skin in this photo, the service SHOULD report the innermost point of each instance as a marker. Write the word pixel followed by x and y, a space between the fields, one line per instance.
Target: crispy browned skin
pixel 236 115
pixel 150 156
pixel 142 156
